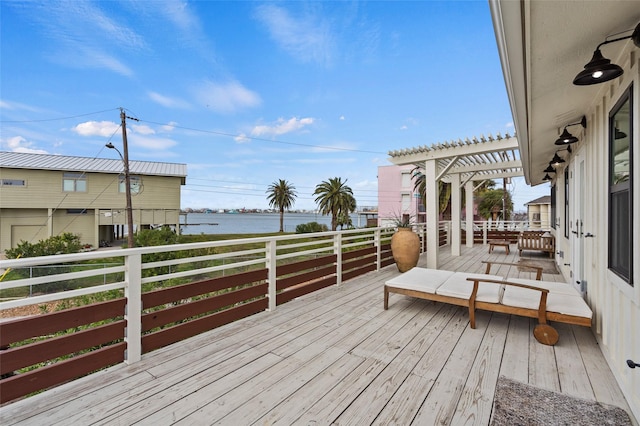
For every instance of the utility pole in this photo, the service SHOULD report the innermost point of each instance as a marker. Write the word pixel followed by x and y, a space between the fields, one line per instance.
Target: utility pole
pixel 127 176
pixel 127 179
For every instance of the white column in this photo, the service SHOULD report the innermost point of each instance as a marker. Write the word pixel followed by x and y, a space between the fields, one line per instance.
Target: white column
pixel 430 176
pixel 468 189
pixel 456 206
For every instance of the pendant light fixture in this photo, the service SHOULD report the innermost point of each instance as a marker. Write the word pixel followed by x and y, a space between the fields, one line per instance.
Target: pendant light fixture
pixel 567 138
pixel 600 69
pixel 556 160
pixel 547 177
pixel 549 169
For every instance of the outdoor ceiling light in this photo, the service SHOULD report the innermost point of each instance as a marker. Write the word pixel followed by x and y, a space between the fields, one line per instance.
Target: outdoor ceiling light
pixel 600 69
pixel 546 177
pixel 620 134
pixel 556 160
pixel 549 169
pixel 567 138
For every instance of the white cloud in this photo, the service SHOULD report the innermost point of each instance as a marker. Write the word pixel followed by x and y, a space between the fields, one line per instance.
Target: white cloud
pixel 167 101
pixel 20 144
pixel 241 138
pixel 342 118
pixel 14 106
pixel 96 128
pixel 226 98
pixel 169 127
pixel 82 34
pixel 308 38
pixel 282 126
pixel 142 129
pixel 157 144
pixel 509 124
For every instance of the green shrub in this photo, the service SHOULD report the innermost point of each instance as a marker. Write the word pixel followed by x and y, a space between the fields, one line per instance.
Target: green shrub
pixel 58 244
pixel 306 228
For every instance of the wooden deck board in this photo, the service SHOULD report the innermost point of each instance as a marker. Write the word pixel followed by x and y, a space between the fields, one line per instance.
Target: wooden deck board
pixel 336 356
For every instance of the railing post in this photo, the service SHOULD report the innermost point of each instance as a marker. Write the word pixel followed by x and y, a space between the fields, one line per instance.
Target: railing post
pixel 378 245
pixel 271 274
pixel 484 232
pixel 337 250
pixel 133 310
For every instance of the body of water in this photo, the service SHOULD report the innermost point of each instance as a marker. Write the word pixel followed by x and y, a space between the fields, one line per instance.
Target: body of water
pixel 251 223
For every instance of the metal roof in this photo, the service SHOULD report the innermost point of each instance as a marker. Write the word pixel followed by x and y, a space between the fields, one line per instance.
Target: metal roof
pixel 478 159
pixel 23 160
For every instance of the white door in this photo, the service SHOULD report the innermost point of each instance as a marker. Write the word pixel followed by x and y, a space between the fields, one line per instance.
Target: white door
pixel 577 222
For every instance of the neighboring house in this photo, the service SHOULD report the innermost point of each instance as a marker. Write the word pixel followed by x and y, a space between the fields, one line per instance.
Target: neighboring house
pixel 544 46
pixel 539 213
pixel 45 195
pixel 397 199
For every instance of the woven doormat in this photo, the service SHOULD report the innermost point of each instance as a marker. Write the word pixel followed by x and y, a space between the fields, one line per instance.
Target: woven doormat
pixel 548 266
pixel 516 403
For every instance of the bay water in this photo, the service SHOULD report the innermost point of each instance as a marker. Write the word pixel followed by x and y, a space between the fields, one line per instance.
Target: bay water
pixel 251 223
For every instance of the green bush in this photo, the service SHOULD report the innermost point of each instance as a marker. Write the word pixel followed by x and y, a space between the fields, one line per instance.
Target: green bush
pixel 58 244
pixel 306 228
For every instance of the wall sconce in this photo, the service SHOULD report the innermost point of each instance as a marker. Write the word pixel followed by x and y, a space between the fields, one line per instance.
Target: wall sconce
pixel 549 169
pixel 600 69
pixel 546 177
pixel 556 160
pixel 567 138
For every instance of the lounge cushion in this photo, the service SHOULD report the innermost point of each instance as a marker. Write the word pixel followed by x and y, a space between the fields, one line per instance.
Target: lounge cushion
pixel 458 286
pixel 420 279
pixel 566 304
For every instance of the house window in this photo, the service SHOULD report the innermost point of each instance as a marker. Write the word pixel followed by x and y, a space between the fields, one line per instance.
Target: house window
pixel 13 182
pixel 74 182
pixel 406 202
pixel 406 180
pixel 566 203
pixel 136 185
pixel 620 188
pixel 76 211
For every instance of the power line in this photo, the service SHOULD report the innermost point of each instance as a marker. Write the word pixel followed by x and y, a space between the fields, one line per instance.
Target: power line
pixel 59 118
pixel 213 132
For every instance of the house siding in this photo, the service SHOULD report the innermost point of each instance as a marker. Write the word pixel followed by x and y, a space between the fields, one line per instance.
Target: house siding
pixel 41 208
pixel 615 303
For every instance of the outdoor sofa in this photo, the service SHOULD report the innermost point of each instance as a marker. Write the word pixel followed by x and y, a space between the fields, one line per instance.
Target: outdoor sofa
pixel 546 301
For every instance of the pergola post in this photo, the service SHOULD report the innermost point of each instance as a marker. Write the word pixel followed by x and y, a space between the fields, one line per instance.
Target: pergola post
pixel 468 189
pixel 432 210
pixel 456 206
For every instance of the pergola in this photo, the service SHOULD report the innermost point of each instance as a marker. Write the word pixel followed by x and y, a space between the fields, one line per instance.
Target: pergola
pixel 460 164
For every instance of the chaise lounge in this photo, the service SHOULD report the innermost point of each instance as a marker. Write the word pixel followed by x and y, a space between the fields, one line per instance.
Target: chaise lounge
pixel 546 301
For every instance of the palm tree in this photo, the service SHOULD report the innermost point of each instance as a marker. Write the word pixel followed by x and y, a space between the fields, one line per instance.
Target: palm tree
pixel 334 197
pixel 444 189
pixel 281 195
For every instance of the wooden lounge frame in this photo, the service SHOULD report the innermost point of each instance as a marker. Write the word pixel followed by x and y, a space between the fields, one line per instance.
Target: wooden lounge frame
pixel 543 332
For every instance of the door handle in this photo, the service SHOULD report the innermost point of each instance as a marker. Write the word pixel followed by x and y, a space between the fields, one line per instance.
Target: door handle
pixel 589 235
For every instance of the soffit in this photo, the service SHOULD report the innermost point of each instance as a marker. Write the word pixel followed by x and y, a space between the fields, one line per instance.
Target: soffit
pixel 558 39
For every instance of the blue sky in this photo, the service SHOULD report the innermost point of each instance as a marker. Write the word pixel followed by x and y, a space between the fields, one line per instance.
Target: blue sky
pixel 246 93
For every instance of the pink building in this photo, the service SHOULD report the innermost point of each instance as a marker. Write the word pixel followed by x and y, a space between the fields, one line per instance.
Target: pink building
pixel 396 196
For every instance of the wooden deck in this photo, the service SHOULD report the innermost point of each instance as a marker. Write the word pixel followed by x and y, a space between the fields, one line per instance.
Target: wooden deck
pixel 336 357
